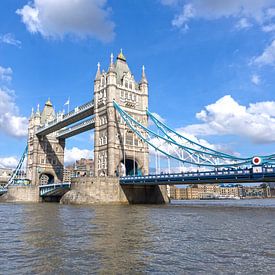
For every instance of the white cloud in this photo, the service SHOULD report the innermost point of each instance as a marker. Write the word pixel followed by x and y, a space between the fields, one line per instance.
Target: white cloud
pixel 255 79
pixel 267 57
pixel 161 119
pixel 269 28
pixel 228 117
pixel 81 18
pixel 73 154
pixel 10 121
pixel 8 162
pixel 5 74
pixel 256 10
pixel 187 13
pixel 243 23
pixel 10 39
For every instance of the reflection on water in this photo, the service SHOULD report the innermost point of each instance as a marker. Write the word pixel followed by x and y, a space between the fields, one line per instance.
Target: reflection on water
pixel 191 238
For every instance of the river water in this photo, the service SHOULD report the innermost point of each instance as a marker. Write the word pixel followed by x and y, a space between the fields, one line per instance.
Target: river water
pixel 221 237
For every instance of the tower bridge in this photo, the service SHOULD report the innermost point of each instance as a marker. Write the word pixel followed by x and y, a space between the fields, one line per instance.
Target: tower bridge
pixel 119 115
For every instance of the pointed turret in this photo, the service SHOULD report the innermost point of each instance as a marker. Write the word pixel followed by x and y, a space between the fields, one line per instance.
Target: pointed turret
pixel 32 114
pixel 121 56
pixel 48 113
pixel 48 103
pixel 97 76
pixel 121 67
pixel 112 66
pixel 37 114
pixel 143 75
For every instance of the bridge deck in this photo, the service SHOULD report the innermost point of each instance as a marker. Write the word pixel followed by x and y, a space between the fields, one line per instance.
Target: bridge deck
pixel 54 190
pixel 3 191
pixel 211 177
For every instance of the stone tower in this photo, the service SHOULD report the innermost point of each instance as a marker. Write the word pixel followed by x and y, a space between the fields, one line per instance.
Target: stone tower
pixel 45 154
pixel 117 151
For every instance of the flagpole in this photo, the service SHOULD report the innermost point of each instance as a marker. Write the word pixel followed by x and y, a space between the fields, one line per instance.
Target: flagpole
pixel 69 105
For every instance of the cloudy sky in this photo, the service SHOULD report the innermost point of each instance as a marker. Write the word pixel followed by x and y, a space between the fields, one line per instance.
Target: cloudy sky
pixel 210 65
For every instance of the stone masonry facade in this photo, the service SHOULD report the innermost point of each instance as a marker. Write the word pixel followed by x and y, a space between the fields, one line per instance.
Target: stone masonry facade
pixel 117 150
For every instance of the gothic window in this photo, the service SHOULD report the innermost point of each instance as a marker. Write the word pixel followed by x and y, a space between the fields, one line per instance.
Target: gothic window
pixel 129 139
pixel 126 84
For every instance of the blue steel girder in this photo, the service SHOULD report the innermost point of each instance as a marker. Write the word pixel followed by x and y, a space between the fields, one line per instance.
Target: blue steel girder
pixel 18 168
pixel 203 157
pixel 53 190
pixel 266 174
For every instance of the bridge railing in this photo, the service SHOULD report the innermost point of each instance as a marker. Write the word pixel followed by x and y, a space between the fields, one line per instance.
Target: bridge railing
pixel 245 172
pixel 43 189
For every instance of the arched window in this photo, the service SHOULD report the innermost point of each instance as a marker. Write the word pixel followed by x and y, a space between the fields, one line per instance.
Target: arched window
pixel 126 83
pixel 131 86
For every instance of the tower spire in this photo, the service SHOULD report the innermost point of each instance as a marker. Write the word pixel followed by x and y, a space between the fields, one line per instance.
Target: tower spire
pixel 121 56
pixel 97 76
pixel 111 67
pixel 143 75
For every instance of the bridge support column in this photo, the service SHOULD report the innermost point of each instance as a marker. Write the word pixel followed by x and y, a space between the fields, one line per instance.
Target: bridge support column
pixel 146 194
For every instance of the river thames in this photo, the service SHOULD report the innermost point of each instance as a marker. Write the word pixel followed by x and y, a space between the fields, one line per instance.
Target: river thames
pixel 213 237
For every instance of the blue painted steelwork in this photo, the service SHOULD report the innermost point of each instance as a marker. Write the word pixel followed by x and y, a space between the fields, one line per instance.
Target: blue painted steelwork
pixel 168 131
pixel 54 190
pixel 3 191
pixel 17 170
pixel 254 174
pixel 195 154
pixel 134 125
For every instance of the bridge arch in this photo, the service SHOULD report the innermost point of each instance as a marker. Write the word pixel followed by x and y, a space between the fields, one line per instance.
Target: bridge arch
pixel 46 178
pixel 129 167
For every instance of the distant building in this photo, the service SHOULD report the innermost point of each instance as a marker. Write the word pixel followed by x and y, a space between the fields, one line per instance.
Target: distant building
pixel 188 193
pixel 81 168
pixel 5 174
pixel 272 188
pixel 208 191
pixel 222 191
pixel 262 191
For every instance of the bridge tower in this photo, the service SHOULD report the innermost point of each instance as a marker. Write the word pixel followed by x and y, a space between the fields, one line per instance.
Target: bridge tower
pixel 117 151
pixel 45 159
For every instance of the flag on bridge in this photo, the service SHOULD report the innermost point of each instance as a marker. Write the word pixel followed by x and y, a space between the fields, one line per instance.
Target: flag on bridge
pixel 67 102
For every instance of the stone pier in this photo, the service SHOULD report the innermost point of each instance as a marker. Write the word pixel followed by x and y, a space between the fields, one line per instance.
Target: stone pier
pixel 21 194
pixel 106 190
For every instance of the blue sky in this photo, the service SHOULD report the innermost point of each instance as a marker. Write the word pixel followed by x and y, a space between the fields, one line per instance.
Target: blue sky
pixel 210 65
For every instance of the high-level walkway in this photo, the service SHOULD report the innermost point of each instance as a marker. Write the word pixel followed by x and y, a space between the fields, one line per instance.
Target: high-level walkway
pixel 62 121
